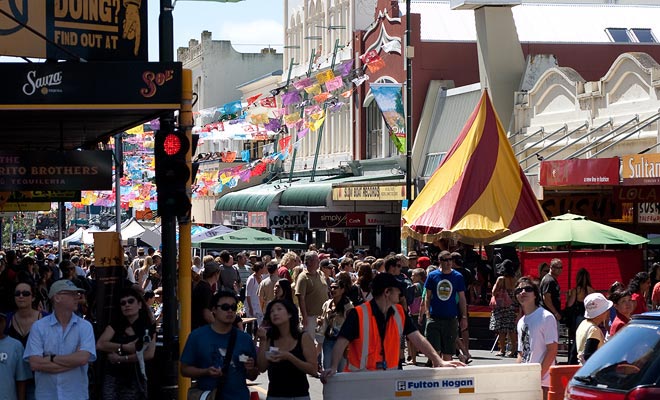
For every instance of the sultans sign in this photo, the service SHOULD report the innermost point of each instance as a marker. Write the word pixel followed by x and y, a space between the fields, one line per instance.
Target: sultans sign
pixel 53 170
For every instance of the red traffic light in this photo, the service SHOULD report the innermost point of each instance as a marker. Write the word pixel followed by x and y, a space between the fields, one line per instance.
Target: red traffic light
pixel 171 144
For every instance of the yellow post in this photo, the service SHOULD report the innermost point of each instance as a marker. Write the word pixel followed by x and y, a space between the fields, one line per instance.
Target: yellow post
pixel 185 262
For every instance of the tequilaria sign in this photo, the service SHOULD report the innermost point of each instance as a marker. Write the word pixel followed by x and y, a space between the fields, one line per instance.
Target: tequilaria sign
pixel 41 170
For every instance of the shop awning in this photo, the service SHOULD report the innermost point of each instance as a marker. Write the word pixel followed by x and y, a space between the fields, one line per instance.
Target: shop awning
pixel 256 198
pixel 318 194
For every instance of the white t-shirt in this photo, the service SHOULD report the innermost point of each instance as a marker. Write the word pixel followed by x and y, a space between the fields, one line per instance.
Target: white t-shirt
pixel 252 291
pixel 535 332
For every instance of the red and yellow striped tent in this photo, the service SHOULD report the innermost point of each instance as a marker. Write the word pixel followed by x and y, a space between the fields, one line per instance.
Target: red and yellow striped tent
pixel 479 192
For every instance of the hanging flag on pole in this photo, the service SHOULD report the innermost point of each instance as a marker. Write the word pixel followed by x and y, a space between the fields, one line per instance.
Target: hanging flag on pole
pixel 390 103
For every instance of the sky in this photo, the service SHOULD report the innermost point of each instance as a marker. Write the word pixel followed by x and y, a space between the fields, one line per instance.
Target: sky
pixel 250 24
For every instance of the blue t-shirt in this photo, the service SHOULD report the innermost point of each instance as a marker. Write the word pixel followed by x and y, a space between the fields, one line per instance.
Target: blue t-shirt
pixel 445 289
pixel 205 348
pixel 12 367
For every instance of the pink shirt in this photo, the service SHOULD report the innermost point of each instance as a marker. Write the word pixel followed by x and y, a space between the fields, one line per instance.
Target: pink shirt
pixel 655 295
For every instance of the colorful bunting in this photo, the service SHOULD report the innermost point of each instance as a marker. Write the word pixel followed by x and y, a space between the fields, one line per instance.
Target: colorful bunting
pixel 290 98
pixel 334 84
pixel 284 142
pixel 245 155
pixel 323 77
pixel 252 99
pixel 268 102
pixel 313 89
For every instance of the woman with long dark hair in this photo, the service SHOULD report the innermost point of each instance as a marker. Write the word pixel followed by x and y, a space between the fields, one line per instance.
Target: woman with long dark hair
pixel 575 304
pixel 333 315
pixel 285 352
pixel 283 290
pixel 639 287
pixel 129 341
pixel 20 321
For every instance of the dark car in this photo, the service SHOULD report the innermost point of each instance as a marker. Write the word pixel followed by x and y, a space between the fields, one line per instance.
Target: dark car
pixel 627 367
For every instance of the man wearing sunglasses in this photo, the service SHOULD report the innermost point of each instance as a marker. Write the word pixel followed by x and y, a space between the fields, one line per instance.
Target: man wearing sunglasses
pixel 60 347
pixel 204 356
pixel 443 286
pixel 537 331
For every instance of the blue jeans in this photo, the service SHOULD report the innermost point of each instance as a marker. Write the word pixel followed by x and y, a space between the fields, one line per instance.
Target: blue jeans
pixel 328 345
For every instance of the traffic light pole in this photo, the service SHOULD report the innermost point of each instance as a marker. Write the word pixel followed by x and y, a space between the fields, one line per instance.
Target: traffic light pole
pixel 168 222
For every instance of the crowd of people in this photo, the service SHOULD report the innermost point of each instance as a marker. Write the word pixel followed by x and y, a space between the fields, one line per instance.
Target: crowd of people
pixel 315 314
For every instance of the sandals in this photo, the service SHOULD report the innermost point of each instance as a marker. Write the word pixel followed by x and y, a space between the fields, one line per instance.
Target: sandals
pixel 464 359
pixel 501 354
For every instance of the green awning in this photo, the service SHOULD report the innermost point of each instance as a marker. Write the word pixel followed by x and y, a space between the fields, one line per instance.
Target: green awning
pixel 248 239
pixel 317 194
pixel 257 198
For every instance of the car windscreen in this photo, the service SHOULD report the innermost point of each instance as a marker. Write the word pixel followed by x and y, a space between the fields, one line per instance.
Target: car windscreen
pixel 631 358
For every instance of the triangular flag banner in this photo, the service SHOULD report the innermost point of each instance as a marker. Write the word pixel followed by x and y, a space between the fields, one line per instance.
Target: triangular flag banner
pixel 252 99
pixel 245 174
pixel 334 84
pixel 229 156
pixel 268 148
pixel 322 97
pixel 303 83
pixel 316 125
pixel 259 118
pixel 369 56
pixel 318 115
pixel 312 109
pixel 290 98
pixel 323 77
pixel 268 102
pixel 302 133
pixel 389 100
pixel 375 65
pixel 273 125
pixel 313 89
pixel 231 108
pixel 284 143
pixel 245 155
pixel 347 93
pixel 345 68
pixel 393 46
pixel 360 80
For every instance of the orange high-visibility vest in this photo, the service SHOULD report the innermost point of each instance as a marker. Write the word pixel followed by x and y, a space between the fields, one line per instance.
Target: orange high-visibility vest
pixel 365 352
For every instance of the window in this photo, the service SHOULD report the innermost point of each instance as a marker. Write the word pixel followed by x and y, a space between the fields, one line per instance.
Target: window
pixel 378 143
pixel 618 35
pixel 432 162
pixel 643 35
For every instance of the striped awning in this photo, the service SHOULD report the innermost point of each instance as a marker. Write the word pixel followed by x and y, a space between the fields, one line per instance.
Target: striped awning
pixel 479 192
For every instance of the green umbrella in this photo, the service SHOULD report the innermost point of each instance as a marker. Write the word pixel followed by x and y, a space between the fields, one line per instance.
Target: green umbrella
pixel 248 239
pixel 570 230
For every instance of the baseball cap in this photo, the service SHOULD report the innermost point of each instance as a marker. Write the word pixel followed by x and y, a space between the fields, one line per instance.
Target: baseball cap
pixel 595 304
pixel 412 254
pixel 423 262
pixel 384 280
pixel 253 254
pixel 323 256
pixel 63 285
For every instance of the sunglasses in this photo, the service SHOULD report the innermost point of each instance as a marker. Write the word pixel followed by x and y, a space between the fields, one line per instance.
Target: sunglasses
pixel 127 301
pixel 527 289
pixel 24 293
pixel 227 307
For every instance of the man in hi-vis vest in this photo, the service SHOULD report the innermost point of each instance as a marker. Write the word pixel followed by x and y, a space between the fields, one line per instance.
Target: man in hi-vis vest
pixel 372 331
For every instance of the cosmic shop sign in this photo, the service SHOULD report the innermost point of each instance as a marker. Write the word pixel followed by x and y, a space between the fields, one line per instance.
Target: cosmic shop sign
pixel 94 30
pixel 91 86
pixel 41 170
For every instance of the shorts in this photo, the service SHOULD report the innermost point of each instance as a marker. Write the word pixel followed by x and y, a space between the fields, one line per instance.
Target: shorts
pixel 442 334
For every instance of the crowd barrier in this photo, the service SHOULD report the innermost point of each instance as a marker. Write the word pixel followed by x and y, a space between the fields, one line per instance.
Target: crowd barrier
pixel 560 375
pixel 491 382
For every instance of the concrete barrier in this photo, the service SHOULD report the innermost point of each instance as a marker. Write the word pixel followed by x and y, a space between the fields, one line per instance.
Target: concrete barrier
pixel 491 382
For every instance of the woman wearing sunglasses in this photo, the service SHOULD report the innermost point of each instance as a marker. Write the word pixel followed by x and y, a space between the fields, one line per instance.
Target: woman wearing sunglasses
pixel 285 352
pixel 129 341
pixel 20 322
pixel 537 331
